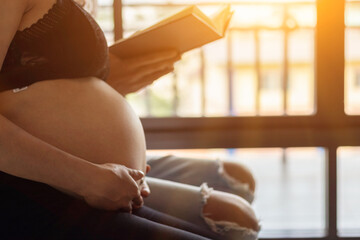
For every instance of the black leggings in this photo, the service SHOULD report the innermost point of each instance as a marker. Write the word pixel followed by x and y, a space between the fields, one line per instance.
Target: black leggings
pixel 31 210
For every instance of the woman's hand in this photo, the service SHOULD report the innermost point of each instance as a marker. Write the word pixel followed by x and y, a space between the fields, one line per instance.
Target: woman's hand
pixel 132 74
pixel 114 187
pixel 144 187
pixel 144 191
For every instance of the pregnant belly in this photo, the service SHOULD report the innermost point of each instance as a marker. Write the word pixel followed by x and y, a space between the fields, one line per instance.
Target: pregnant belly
pixel 84 117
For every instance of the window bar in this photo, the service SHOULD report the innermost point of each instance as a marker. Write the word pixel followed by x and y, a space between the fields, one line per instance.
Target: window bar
pixel 175 100
pixel 286 60
pixel 118 26
pixel 230 73
pixel 329 58
pixel 202 82
pixel 258 72
pixel 284 161
pixel 95 8
pixel 147 103
pixel 331 190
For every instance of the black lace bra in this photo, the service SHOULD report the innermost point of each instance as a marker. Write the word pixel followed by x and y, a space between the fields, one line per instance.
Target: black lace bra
pixel 65 43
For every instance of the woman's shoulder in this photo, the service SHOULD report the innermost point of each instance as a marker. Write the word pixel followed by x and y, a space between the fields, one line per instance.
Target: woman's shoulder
pixel 35 9
pixel 12 12
pixel 18 4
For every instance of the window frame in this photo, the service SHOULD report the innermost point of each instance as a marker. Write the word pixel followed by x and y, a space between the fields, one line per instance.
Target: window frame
pixel 329 127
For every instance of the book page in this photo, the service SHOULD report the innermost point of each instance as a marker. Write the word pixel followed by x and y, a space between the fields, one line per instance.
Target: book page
pixel 227 22
pixel 183 35
pixel 186 30
pixel 221 19
pixel 205 18
pixel 182 13
pixel 185 12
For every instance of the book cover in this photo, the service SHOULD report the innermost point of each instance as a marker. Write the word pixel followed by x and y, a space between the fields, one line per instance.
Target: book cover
pixel 183 31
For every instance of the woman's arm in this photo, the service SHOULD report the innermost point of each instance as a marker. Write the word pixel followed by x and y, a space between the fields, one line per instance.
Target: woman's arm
pixel 107 186
pixel 25 156
pixel 20 154
pixel 132 74
pixel 11 13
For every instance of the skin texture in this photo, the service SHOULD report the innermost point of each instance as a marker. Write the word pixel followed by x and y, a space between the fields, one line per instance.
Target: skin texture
pixel 87 121
pixel 132 74
pixel 11 14
pixel 104 186
pixel 65 113
pixel 36 10
pixel 223 206
pixel 18 15
pixel 55 112
pixel 240 173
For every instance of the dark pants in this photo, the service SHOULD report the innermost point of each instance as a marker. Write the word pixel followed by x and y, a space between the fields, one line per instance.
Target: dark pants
pixel 31 210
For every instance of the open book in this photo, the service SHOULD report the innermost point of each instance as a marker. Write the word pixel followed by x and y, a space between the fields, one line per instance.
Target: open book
pixel 183 31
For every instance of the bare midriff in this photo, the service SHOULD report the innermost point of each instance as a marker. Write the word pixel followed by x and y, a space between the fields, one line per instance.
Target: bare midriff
pixel 84 117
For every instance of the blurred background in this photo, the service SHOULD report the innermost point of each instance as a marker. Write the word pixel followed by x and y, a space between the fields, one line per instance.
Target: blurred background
pixel 265 66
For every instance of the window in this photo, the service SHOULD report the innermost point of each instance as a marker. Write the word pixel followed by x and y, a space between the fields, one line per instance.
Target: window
pixel 290 183
pixel 349 193
pixel 352 58
pixel 286 79
pixel 265 65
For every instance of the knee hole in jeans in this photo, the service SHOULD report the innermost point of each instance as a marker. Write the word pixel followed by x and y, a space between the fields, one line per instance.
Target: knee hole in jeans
pixel 225 207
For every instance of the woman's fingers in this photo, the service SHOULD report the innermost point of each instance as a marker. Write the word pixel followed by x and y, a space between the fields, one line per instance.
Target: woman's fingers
pixel 153 68
pixel 148 168
pixel 116 188
pixel 149 79
pixel 136 174
pixel 137 202
pixel 131 74
pixel 146 76
pixel 153 58
pixel 127 208
pixel 144 189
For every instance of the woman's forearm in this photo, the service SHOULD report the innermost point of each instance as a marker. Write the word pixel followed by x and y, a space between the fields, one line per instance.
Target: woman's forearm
pixel 26 156
pixel 104 186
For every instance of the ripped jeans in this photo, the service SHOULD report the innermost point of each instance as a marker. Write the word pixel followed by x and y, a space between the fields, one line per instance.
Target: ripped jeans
pixel 33 210
pixel 188 183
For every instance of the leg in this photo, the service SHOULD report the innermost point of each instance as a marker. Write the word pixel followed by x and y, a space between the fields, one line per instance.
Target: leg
pixel 240 173
pixel 227 215
pixel 33 210
pixel 225 176
pixel 233 209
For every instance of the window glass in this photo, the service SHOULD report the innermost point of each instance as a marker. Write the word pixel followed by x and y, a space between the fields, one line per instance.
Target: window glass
pixel 348 191
pixel 290 186
pixel 103 12
pixel 264 66
pixel 352 58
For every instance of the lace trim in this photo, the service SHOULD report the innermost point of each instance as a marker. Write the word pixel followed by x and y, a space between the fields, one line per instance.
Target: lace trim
pixel 53 16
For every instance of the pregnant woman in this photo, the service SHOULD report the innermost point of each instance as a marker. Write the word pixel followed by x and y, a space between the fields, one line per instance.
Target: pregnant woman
pixel 72 151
